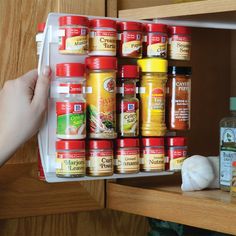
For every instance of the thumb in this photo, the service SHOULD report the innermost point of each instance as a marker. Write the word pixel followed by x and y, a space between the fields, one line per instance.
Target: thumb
pixel 41 89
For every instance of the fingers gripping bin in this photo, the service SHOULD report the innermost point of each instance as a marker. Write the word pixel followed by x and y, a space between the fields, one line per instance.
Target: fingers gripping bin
pixel 51 55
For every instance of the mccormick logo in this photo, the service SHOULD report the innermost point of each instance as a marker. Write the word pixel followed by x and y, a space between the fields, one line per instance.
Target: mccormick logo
pixel 131 107
pixel 109 85
pixel 77 107
pixel 157 92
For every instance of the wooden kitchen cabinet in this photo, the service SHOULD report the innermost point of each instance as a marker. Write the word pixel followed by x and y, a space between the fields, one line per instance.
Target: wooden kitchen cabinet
pixel 213 54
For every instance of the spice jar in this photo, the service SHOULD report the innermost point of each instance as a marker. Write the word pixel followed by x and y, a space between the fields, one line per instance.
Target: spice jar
pixel 179 43
pixel 176 153
pixel 73 35
pixel 152 96
pixel 130 39
pixel 128 104
pixel 178 98
pixel 70 105
pixel 101 97
pixel 152 155
pixel 233 182
pixel 39 36
pixel 155 40
pixel 100 158
pixel 103 36
pixel 127 156
pixel 70 158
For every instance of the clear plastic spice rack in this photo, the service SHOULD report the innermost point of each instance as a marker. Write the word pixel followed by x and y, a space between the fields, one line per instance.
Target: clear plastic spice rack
pixel 49 55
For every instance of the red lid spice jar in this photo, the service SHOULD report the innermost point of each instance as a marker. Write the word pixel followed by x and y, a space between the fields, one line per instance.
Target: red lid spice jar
pixel 39 36
pixel 152 155
pixel 73 35
pixel 101 97
pixel 155 40
pixel 102 37
pixel 179 43
pixel 178 98
pixel 100 158
pixel 130 39
pixel 70 104
pixel 127 156
pixel 176 153
pixel 70 158
pixel 128 104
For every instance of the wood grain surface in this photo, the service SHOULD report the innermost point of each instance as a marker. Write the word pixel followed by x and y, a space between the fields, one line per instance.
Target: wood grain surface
pixel 22 194
pixel 99 223
pixel 179 9
pixel 212 209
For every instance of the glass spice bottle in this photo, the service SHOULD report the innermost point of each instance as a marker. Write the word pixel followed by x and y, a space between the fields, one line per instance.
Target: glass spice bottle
pixel 130 39
pixel 178 98
pixel 227 146
pixel 71 104
pixel 100 157
pixel 70 158
pixel 128 104
pixel 73 35
pixel 127 156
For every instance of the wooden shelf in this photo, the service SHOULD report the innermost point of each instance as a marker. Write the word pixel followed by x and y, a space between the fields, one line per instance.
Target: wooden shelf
pixel 207 14
pixel 210 209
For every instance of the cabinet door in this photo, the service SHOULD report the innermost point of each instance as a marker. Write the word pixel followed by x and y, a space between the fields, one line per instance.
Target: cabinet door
pixel 22 194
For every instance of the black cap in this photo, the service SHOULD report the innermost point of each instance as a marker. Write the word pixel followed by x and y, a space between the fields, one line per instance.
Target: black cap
pixel 178 70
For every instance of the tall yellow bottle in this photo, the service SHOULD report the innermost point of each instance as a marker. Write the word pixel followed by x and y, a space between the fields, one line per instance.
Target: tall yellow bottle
pixel 152 96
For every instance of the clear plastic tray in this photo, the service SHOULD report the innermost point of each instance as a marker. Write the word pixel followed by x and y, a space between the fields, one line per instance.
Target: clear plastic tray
pixel 50 56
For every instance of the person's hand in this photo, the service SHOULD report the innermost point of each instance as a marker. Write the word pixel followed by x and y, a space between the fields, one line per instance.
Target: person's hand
pixel 23 102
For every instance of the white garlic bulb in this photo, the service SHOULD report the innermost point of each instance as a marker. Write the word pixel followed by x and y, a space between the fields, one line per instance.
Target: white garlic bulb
pixel 197 173
pixel 215 163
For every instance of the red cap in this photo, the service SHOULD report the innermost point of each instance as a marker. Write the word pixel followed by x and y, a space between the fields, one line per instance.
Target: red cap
pixel 129 25
pixel 102 23
pixel 152 142
pixel 152 27
pixel 100 144
pixel 128 142
pixel 70 69
pixel 129 71
pixel 176 141
pixel 70 144
pixel 73 20
pixel 234 163
pixel 101 63
pixel 41 26
pixel 179 30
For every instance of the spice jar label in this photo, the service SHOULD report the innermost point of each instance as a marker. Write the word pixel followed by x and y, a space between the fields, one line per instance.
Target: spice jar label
pixel 129 89
pixel 75 40
pixel 180 103
pixel 69 88
pixel 176 158
pixel 127 161
pixel 157 100
pixel 71 163
pixel 131 44
pixel 156 45
pixel 99 163
pixel 179 47
pixel 153 160
pixel 101 104
pixel 102 40
pixel 129 117
pixel 71 119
